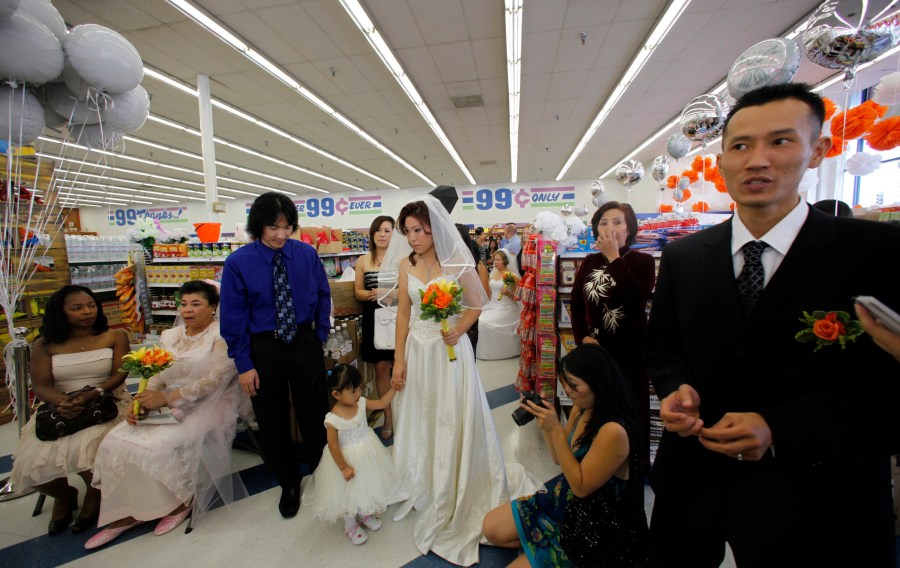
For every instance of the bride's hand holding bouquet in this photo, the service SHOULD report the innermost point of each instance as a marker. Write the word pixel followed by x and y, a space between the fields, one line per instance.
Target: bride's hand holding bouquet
pixel 509 282
pixel 146 363
pixel 440 300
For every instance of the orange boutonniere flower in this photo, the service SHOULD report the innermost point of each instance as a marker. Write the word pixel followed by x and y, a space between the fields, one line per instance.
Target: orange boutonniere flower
pixel 440 300
pixel 859 119
pixel 884 135
pixel 827 328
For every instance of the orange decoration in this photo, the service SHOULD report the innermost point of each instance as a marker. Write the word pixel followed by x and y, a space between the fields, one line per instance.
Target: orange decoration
pixel 691 175
pixel 885 134
pixel 697 164
pixel 720 186
pixel 837 147
pixel 664 208
pixel 672 182
pixel 685 195
pixel 830 107
pixel 880 110
pixel 859 119
pixel 731 206
pixel 708 162
pixel 701 207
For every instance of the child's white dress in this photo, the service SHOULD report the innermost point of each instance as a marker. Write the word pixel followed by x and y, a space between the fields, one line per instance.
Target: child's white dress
pixel 372 489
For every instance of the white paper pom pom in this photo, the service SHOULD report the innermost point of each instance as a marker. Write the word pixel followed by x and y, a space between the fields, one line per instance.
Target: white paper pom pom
pixel 862 164
pixel 887 92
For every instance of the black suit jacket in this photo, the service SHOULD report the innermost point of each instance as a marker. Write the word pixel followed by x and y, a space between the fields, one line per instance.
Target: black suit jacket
pixel 834 414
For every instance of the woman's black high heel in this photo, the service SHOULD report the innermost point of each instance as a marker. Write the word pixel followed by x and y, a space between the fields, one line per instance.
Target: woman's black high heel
pixel 59 525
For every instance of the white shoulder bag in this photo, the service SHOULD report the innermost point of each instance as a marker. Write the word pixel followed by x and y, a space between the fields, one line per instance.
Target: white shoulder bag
pixel 385 333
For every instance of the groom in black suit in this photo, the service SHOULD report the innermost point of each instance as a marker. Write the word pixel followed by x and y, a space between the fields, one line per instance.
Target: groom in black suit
pixel 775 447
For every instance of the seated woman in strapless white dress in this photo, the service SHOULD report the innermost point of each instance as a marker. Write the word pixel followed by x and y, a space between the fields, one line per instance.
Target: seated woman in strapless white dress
pixel 500 317
pixel 147 471
pixel 76 349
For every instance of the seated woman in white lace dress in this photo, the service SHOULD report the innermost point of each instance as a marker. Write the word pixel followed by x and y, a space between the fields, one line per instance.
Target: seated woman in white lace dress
pixel 146 471
pixel 500 317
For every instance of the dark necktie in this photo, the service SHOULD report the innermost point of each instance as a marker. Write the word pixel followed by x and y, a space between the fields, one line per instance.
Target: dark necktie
pixel 285 325
pixel 752 277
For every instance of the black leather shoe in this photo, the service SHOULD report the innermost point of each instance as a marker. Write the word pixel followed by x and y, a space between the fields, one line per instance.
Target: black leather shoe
pixel 84 523
pixel 290 502
pixel 59 525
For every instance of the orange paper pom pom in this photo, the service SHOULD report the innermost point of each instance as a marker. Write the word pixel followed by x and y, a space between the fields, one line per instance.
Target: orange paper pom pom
pixel 708 162
pixel 700 207
pixel 672 182
pixel 697 164
pixel 885 134
pixel 713 174
pixel 664 208
pixel 859 119
pixel 691 175
pixel 685 195
pixel 830 107
pixel 880 110
pixel 720 185
pixel 837 147
pixel 731 206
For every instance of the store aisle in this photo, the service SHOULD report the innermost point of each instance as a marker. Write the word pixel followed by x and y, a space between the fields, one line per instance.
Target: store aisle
pixel 254 534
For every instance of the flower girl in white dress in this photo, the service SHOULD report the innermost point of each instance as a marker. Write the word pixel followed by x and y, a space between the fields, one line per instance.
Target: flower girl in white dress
pixel 355 479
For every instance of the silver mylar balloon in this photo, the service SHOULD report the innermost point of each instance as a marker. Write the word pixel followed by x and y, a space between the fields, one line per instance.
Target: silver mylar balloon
pixel 678 146
pixel 844 48
pixel 769 62
pixel 597 188
pixel 566 210
pixel 629 173
pixel 684 182
pixel 678 194
pixel 660 168
pixel 703 118
pixel 580 211
pixel 598 193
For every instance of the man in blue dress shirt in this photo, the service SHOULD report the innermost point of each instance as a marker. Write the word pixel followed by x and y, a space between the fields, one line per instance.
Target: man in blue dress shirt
pixel 511 240
pixel 275 316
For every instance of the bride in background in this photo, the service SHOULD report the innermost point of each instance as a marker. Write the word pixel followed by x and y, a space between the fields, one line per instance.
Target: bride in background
pixel 500 317
pixel 446 451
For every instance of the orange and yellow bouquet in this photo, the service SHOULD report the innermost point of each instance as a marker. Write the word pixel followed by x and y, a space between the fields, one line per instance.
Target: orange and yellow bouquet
pixel 509 280
pixel 146 363
pixel 440 301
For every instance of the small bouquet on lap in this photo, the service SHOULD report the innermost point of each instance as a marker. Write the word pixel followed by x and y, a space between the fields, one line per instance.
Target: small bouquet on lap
pixel 146 363
pixel 440 301
pixel 510 281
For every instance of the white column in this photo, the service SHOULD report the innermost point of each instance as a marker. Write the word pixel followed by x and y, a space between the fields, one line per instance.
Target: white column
pixel 208 147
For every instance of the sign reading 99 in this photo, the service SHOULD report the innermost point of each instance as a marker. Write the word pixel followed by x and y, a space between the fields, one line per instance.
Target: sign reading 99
pixel 315 207
pixel 493 199
pixel 125 217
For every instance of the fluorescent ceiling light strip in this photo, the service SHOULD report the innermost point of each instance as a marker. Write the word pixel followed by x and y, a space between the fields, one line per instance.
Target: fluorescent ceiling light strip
pixel 660 132
pixel 144 184
pixel 157 176
pixel 147 195
pixel 132 181
pixel 365 25
pixel 662 28
pixel 240 148
pixel 513 78
pixel 260 60
pixel 92 199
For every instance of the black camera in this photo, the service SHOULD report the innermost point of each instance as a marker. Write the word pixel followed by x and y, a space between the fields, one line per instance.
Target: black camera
pixel 521 416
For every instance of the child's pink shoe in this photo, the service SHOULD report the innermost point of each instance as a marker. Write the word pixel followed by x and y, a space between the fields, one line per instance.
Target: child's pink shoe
pixel 356 535
pixel 371 522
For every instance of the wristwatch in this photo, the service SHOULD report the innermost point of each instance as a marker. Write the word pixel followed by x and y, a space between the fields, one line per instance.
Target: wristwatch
pixel 100 390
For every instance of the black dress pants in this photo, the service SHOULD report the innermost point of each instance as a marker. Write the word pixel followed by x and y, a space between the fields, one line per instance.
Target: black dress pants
pixel 288 372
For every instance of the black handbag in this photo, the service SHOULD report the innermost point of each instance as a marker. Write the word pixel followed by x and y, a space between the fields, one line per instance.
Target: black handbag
pixel 600 531
pixel 49 426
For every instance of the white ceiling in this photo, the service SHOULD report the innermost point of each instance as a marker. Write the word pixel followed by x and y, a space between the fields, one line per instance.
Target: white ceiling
pixel 449 48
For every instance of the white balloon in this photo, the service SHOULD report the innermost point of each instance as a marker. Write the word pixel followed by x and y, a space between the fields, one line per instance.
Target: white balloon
pixel 53 119
pixel 77 86
pixel 29 51
pixel 887 92
pixel 44 12
pixel 104 58
pixel 69 106
pixel 22 116
pixel 678 146
pixel 684 182
pixel 96 136
pixel 863 164
pixel 7 7
pixel 129 110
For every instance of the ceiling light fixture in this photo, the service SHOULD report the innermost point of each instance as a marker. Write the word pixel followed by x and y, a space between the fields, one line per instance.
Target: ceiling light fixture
pixel 513 79
pixel 662 28
pixel 365 25
pixel 219 31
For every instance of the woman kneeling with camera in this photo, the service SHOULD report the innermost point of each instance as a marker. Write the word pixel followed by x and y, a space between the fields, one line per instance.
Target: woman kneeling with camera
pixel 592 514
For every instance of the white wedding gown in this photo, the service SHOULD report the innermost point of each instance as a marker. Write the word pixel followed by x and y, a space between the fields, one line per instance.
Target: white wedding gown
pixel 446 451
pixel 497 338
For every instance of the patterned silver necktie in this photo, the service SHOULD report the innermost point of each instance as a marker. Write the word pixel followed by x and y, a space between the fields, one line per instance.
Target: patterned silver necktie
pixel 752 277
pixel 285 324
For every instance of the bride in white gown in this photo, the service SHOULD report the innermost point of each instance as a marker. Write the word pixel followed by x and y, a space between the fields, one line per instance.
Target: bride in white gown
pixel 446 449
pixel 497 337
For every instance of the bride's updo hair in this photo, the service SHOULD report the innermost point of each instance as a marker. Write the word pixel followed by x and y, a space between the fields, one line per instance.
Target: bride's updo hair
pixel 418 210
pixel 343 377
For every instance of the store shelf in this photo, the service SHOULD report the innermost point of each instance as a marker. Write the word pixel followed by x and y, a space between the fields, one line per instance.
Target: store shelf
pixel 575 254
pixel 78 262
pixel 166 285
pixel 101 290
pixel 164 312
pixel 189 259
pixel 346 253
